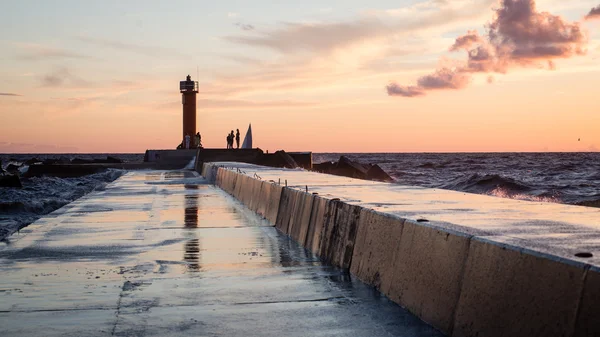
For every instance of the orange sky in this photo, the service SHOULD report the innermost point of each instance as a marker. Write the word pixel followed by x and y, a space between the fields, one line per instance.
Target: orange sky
pixel 311 79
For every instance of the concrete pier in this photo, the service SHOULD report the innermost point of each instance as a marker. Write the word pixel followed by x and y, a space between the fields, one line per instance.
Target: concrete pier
pixel 470 265
pixel 163 253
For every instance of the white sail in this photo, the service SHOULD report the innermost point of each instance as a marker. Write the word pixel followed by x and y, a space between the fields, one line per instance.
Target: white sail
pixel 247 144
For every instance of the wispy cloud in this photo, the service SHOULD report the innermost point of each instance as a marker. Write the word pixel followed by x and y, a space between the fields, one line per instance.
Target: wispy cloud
pixel 35 52
pixel 594 13
pixel 153 51
pixel 232 15
pixel 9 94
pixel 244 26
pixel 62 76
pixel 326 55
pixel 328 36
pixel 518 36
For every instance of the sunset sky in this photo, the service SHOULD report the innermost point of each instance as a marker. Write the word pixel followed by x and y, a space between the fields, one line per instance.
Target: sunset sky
pixel 322 76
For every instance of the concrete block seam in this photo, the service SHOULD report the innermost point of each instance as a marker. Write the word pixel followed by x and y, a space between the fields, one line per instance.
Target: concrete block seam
pixel 579 301
pixel 460 286
pixel 310 220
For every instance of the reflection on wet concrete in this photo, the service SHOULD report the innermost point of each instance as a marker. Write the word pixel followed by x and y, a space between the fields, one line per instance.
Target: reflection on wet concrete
pixel 191 211
pixel 181 259
pixel 191 247
pixel 192 254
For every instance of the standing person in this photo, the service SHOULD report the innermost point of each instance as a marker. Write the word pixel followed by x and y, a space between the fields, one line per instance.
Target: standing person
pixel 237 137
pixel 198 140
pixel 187 141
pixel 232 137
pixel 228 140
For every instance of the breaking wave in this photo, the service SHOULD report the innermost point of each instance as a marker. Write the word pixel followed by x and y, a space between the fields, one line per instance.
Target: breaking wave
pixel 486 184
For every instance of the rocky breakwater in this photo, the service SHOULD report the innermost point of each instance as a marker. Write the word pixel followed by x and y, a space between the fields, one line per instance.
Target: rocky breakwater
pixel 64 167
pixel 353 169
pixel 31 188
pixel 10 177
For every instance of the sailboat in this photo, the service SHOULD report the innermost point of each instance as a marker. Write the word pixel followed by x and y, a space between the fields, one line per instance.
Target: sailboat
pixel 247 144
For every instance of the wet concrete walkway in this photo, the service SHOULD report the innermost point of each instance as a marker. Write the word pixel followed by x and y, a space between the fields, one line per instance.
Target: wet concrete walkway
pixel 162 253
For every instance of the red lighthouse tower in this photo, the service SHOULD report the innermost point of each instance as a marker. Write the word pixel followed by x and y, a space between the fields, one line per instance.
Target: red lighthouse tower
pixel 188 89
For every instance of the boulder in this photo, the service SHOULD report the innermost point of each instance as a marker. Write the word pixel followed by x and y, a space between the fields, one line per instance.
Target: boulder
pixel 377 173
pixel 277 159
pixel 81 161
pixel 349 168
pixel 32 161
pixel 63 171
pixel 113 160
pixel 50 161
pixel 326 167
pixel 10 180
pixel 12 168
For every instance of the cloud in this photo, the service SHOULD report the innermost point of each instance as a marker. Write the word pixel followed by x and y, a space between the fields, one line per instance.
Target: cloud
pixel 244 26
pixel 63 76
pixel 518 36
pixel 319 37
pixel 325 56
pixel 232 15
pixel 444 78
pixel 153 51
pixel 594 13
pixel 394 89
pixel 8 94
pixel 35 52
pixel 466 41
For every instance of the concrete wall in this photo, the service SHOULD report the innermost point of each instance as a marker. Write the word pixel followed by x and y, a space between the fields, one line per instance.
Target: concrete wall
pixel 464 285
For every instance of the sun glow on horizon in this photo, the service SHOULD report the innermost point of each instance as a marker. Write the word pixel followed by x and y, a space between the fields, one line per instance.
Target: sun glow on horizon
pixel 307 79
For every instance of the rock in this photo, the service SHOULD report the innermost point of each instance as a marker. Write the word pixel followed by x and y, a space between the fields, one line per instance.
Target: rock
pixel 32 161
pixel 326 167
pixel 12 168
pixel 63 171
pixel 50 161
pixel 113 160
pixel 10 181
pixel 377 173
pixel 108 160
pixel 277 159
pixel 348 168
pixel 81 161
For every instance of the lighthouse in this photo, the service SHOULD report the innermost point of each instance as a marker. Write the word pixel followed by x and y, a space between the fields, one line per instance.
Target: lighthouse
pixel 188 89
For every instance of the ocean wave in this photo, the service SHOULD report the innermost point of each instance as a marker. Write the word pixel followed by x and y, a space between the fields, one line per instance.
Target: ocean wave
pixel 485 184
pixel 504 193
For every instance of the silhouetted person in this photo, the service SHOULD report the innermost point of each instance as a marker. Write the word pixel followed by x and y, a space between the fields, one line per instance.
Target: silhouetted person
pixel 228 140
pixel 187 141
pixel 198 140
pixel 231 137
pixel 237 138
